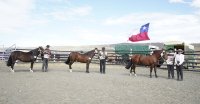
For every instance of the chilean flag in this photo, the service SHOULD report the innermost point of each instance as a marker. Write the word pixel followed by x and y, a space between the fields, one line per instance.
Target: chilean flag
pixel 143 35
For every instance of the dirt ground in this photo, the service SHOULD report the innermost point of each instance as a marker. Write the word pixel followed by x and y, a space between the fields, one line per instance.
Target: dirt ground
pixel 59 86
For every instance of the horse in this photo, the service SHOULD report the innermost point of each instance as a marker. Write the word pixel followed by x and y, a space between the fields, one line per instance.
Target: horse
pixel 83 58
pixel 149 60
pixel 30 56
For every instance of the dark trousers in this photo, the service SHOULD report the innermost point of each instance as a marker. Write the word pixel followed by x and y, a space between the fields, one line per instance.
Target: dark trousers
pixel 170 70
pixel 179 70
pixel 102 66
pixel 45 65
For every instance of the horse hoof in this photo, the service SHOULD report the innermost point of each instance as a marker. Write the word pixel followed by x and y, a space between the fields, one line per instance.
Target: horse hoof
pixel 31 71
pixel 12 70
pixel 135 75
pixel 130 74
pixel 70 71
pixel 87 72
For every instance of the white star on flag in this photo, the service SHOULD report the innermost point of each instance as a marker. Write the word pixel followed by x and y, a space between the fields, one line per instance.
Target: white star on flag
pixel 144 28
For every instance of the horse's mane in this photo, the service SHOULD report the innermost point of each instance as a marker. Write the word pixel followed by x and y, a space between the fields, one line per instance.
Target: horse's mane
pixel 35 50
pixel 157 51
pixel 89 52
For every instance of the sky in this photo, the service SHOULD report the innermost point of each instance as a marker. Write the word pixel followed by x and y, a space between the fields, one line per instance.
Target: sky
pixel 29 23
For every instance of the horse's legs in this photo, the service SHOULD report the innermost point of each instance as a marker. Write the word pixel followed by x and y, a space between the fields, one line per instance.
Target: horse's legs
pixel 70 66
pixel 87 67
pixel 31 68
pixel 132 70
pixel 155 69
pixel 151 68
pixel 12 66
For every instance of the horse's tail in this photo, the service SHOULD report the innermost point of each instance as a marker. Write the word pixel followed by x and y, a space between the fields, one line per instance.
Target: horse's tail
pixel 9 62
pixel 68 60
pixel 129 64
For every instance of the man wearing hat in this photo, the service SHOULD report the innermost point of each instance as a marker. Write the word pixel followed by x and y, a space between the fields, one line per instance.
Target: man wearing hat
pixel 47 55
pixel 179 59
pixel 170 63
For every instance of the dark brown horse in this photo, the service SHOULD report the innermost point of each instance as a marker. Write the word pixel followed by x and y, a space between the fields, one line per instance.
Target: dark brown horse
pixel 83 58
pixel 30 56
pixel 150 60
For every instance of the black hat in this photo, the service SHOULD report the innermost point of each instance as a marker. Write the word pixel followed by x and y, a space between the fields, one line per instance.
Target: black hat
pixel 48 46
pixel 170 49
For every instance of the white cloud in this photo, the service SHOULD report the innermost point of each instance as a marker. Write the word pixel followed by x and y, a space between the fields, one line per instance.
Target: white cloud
pixel 70 13
pixel 17 14
pixel 14 14
pixel 176 1
pixel 91 36
pixel 127 19
pixel 195 3
pixel 163 26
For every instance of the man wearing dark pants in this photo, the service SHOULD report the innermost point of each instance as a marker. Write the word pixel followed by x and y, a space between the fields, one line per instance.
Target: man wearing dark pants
pixel 102 57
pixel 179 59
pixel 170 63
pixel 47 54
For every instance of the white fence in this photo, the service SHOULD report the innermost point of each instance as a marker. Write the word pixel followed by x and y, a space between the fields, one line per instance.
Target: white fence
pixel 5 53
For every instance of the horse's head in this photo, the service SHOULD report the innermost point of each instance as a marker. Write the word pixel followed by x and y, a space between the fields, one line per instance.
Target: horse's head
pixel 160 54
pixel 96 50
pixel 40 50
pixel 91 53
pixel 164 55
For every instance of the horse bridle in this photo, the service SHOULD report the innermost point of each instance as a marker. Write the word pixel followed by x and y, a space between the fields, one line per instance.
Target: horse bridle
pixel 35 55
pixel 40 50
pixel 162 56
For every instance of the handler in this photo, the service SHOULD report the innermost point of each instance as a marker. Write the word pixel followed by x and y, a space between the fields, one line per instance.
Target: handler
pixel 47 55
pixel 179 59
pixel 170 63
pixel 102 58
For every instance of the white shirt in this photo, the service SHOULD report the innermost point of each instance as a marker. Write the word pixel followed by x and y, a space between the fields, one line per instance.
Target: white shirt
pixel 102 55
pixel 170 58
pixel 47 53
pixel 46 56
pixel 180 58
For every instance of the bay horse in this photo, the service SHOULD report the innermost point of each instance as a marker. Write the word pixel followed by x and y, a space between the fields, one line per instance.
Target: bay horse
pixel 149 60
pixel 30 56
pixel 83 58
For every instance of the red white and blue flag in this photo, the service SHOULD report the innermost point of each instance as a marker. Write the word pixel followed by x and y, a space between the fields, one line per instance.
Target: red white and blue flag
pixel 143 35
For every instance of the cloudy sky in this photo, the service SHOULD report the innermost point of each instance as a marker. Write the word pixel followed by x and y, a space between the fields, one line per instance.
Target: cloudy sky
pixel 92 22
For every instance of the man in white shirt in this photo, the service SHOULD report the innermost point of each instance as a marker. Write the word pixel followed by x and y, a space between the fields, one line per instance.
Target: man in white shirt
pixel 102 58
pixel 179 59
pixel 170 63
